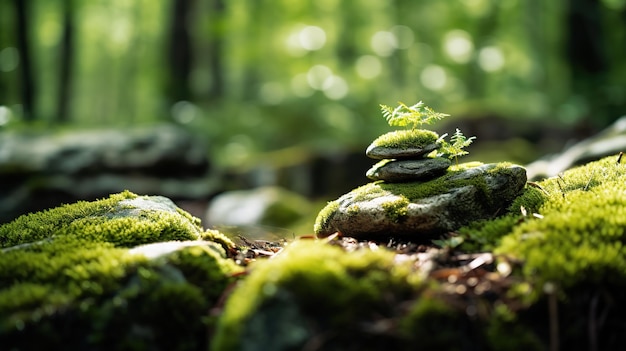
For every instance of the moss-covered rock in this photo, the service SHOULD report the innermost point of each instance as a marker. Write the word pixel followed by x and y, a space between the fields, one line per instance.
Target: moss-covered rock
pixel 126 272
pixel 267 206
pixel 411 144
pixel 423 210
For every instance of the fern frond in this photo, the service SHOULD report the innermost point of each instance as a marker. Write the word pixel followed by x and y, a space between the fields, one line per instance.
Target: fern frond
pixel 454 148
pixel 414 115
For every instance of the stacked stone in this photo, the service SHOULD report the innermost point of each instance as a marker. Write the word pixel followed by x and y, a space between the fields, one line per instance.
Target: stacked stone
pixel 399 165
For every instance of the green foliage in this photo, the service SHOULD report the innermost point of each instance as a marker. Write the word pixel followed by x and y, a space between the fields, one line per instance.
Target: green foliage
pixel 256 60
pixel 454 148
pixel 413 116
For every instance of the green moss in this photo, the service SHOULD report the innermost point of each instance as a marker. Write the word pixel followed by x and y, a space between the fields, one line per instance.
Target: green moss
pixel 484 235
pixel 414 191
pixel 381 163
pixel 398 209
pixel 40 225
pixel 218 237
pixel 73 277
pixel 322 289
pixel 581 234
pixel 115 219
pixel 325 215
pixel 547 197
pixel 89 292
pixel 359 300
pixel 414 138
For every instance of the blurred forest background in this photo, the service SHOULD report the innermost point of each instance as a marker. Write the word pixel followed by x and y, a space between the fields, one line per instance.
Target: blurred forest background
pixel 278 81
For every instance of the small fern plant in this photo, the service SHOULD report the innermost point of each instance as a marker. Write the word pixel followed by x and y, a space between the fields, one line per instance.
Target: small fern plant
pixel 415 115
pixel 420 114
pixel 454 148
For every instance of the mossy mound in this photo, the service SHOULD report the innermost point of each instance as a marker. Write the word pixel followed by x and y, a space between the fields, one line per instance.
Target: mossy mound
pixel 567 229
pixel 126 272
pixel 569 233
pixel 580 232
pixel 315 295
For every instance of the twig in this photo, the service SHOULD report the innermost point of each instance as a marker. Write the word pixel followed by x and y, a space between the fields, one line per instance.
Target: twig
pixel 589 181
pixel 559 184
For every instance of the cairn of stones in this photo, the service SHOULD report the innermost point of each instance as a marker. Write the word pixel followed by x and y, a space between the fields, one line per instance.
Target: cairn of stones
pixel 405 164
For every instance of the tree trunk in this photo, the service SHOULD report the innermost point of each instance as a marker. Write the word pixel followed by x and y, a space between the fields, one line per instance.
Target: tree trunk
pixel 585 40
pixel 216 51
pixel 26 68
pixel 179 53
pixel 66 59
pixel 587 58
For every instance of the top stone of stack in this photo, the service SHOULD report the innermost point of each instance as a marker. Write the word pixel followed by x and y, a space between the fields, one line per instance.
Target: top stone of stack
pixel 403 144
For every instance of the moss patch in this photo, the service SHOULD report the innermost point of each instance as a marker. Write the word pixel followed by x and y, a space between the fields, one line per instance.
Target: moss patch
pixel 322 289
pixel 398 209
pixel 582 229
pixel 75 278
pixel 569 230
pixel 413 138
pixel 358 300
pixel 326 214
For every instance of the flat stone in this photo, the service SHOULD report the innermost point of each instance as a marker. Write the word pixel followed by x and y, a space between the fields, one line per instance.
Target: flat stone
pixel 265 206
pixel 385 152
pixel 409 170
pixel 423 211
